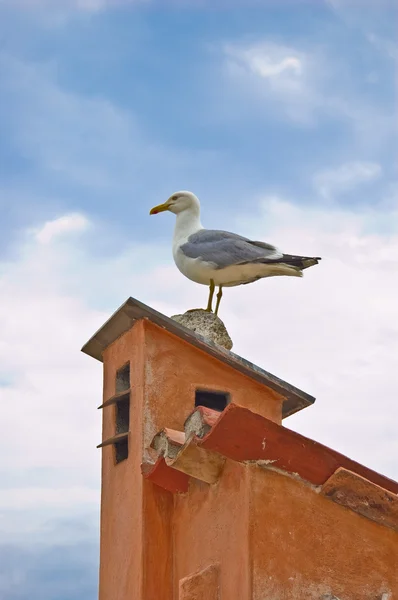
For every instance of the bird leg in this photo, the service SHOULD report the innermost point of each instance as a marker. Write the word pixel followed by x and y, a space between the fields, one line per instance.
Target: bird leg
pixel 211 293
pixel 219 296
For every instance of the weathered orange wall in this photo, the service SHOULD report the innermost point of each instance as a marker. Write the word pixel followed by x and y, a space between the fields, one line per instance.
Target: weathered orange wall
pixel 121 546
pixel 211 526
pixel 303 545
pixel 164 373
pixel 277 538
pixel 268 536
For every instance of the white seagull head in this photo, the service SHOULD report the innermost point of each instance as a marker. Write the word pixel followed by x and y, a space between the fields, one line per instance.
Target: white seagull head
pixel 177 203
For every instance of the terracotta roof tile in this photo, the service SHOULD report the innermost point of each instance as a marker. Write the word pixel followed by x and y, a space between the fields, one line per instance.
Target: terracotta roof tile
pixel 197 462
pixel 182 453
pixel 241 435
pixel 362 496
pixel 170 479
pixel 201 421
pixel 168 442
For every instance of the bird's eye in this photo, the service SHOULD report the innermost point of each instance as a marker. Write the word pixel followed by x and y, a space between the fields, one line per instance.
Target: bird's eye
pixel 174 197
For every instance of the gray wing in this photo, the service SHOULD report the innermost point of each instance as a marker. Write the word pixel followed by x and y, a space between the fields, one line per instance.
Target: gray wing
pixel 225 249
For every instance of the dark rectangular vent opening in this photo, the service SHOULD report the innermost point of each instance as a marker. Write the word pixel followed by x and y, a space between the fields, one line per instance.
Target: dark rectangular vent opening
pixel 123 379
pixel 215 400
pixel 121 450
pixel 122 415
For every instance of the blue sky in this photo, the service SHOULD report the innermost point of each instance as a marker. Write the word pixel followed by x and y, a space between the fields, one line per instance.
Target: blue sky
pixel 281 117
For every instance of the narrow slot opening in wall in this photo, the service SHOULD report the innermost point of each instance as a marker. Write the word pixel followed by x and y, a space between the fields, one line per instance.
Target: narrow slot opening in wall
pixel 209 399
pixel 123 379
pixel 122 413
pixel 122 416
pixel 121 450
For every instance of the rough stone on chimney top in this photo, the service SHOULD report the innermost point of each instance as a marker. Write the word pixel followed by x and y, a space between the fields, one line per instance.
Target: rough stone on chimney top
pixel 207 325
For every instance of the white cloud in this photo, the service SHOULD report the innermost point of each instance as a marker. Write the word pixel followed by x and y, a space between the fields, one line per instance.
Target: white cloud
pixel 266 60
pixel 46 497
pixel 304 84
pixel 283 70
pixel 346 177
pixel 63 225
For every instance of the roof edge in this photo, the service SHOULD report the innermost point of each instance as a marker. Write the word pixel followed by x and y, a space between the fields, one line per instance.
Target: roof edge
pixel 133 310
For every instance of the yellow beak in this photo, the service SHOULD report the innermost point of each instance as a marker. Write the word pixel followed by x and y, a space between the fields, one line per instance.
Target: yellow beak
pixel 159 208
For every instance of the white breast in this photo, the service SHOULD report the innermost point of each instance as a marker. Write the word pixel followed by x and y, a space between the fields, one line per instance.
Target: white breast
pixel 194 269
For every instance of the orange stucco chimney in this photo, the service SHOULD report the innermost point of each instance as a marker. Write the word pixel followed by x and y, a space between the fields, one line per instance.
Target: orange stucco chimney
pixel 206 496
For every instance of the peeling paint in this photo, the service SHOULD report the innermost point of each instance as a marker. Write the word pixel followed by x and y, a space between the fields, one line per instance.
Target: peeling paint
pixel 268 465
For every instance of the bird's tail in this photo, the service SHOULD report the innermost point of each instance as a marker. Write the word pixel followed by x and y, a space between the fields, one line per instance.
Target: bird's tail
pixel 300 262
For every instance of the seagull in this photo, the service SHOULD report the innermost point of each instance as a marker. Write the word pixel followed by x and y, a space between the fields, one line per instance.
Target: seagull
pixel 220 258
